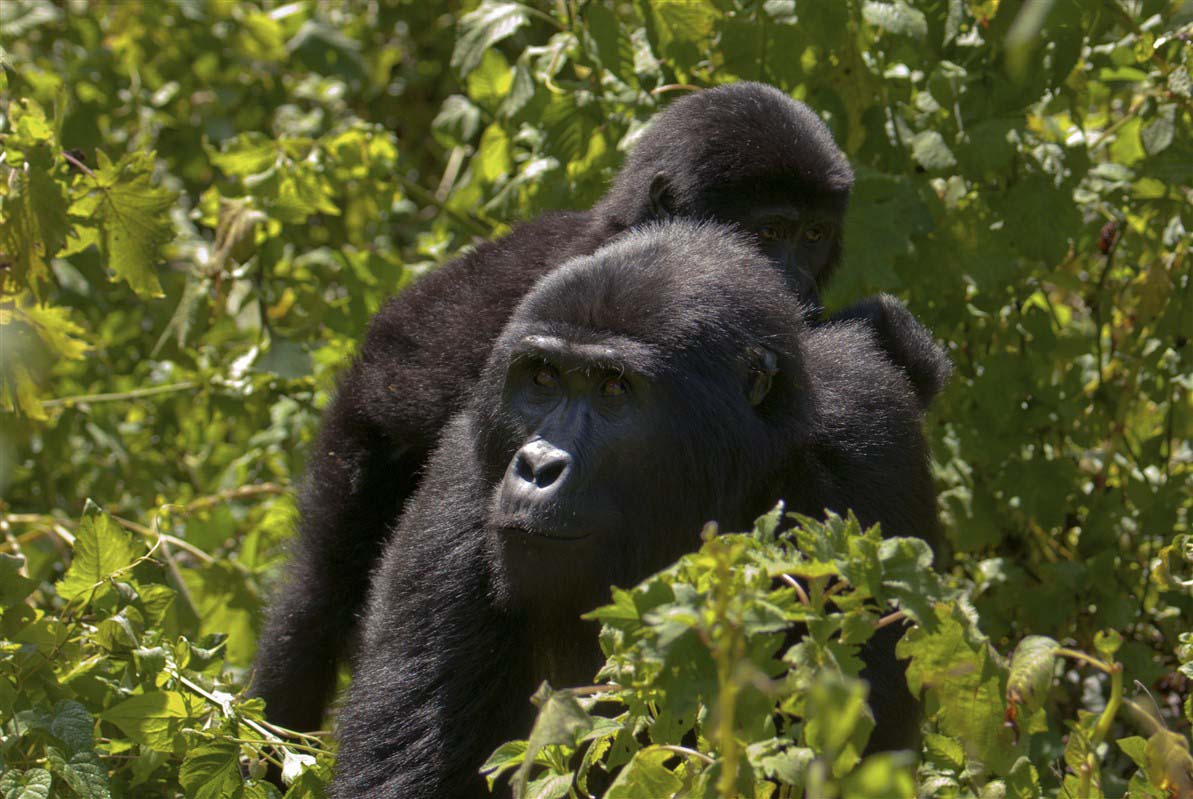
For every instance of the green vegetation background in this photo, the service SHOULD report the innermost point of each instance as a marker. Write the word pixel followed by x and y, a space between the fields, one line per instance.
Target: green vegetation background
pixel 203 201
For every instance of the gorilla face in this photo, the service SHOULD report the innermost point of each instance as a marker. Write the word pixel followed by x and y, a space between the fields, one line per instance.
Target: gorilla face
pixel 597 428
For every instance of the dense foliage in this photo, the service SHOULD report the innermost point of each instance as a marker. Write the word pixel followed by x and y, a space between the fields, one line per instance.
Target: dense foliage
pixel 202 202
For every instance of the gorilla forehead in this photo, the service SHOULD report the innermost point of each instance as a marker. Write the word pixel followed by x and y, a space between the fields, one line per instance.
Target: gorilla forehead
pixel 673 286
pixel 739 131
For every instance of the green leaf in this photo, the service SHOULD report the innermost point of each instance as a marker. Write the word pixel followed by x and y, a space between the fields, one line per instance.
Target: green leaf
pixel 481 29
pixel 645 777
pixel 561 720
pixel 32 784
pixel 152 718
pixel 489 83
pixel 33 202
pixel 614 48
pixel 14 587
pixel 1032 667
pixel 83 772
pixel 212 771
pixel 898 18
pixel 101 549
pixel 930 151
pixel 247 154
pixel 507 756
pixel 133 219
pixel 73 725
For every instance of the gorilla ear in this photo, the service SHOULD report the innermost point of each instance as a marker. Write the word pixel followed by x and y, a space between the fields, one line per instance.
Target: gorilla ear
pixel 662 204
pixel 764 365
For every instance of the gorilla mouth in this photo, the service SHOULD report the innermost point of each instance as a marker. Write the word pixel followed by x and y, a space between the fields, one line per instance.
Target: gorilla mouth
pixel 522 530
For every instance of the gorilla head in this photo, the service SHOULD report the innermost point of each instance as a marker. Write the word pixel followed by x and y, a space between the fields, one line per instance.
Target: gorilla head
pixel 656 369
pixel 744 154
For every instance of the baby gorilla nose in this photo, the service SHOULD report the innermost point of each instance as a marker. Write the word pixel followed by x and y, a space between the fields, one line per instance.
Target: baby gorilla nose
pixel 541 464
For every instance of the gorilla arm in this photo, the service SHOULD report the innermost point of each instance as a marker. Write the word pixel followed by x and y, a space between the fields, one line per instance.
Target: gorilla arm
pixel 439 684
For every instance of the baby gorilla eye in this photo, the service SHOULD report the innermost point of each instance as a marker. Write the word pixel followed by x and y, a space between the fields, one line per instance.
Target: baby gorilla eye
pixel 768 233
pixel 816 232
pixel 614 387
pixel 546 377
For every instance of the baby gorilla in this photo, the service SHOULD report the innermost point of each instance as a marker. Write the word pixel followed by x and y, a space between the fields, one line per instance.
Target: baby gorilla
pixel 636 393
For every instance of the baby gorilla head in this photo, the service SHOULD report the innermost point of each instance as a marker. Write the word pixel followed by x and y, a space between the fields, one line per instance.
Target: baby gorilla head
pixel 635 394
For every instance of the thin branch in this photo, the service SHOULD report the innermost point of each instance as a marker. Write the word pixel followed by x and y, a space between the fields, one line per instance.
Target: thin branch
pixel 79 165
pixel 116 396
pixel 686 752
pixel 799 589
pixel 890 618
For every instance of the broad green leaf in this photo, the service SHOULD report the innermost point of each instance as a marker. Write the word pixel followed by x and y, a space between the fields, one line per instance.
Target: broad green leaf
pixel 494 156
pixel 646 777
pixel 212 771
pixel 489 24
pixel 489 83
pixel 32 784
pixel 152 718
pixel 101 549
pixel 83 772
pixel 133 219
pixel 74 725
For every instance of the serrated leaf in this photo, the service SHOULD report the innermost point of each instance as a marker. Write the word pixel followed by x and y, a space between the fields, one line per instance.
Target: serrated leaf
pixel 55 330
pixel 101 549
pixel 133 219
pixel 561 720
pixel 481 29
pixel 152 718
pixel 247 154
pixel 33 214
pixel 212 771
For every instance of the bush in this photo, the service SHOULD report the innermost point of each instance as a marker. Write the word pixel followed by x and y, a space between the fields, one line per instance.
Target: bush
pixel 203 202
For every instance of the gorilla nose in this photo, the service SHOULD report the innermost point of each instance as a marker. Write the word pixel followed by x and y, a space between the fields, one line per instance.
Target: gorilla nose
pixel 541 464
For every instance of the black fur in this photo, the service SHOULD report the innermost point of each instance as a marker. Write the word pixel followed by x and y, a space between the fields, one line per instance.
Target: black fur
pixel 479 592
pixel 745 154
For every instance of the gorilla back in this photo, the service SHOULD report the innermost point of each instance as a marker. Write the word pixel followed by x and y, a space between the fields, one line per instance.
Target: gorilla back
pixel 636 393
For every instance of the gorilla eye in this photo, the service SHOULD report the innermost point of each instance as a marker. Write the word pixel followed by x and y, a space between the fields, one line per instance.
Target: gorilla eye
pixel 614 387
pixel 768 233
pixel 816 232
pixel 546 377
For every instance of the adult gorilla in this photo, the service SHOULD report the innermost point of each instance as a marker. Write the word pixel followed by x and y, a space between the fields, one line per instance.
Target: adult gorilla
pixel 745 154
pixel 636 393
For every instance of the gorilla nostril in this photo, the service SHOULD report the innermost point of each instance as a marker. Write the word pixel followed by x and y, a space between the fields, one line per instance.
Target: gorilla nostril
pixel 549 473
pixel 523 469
